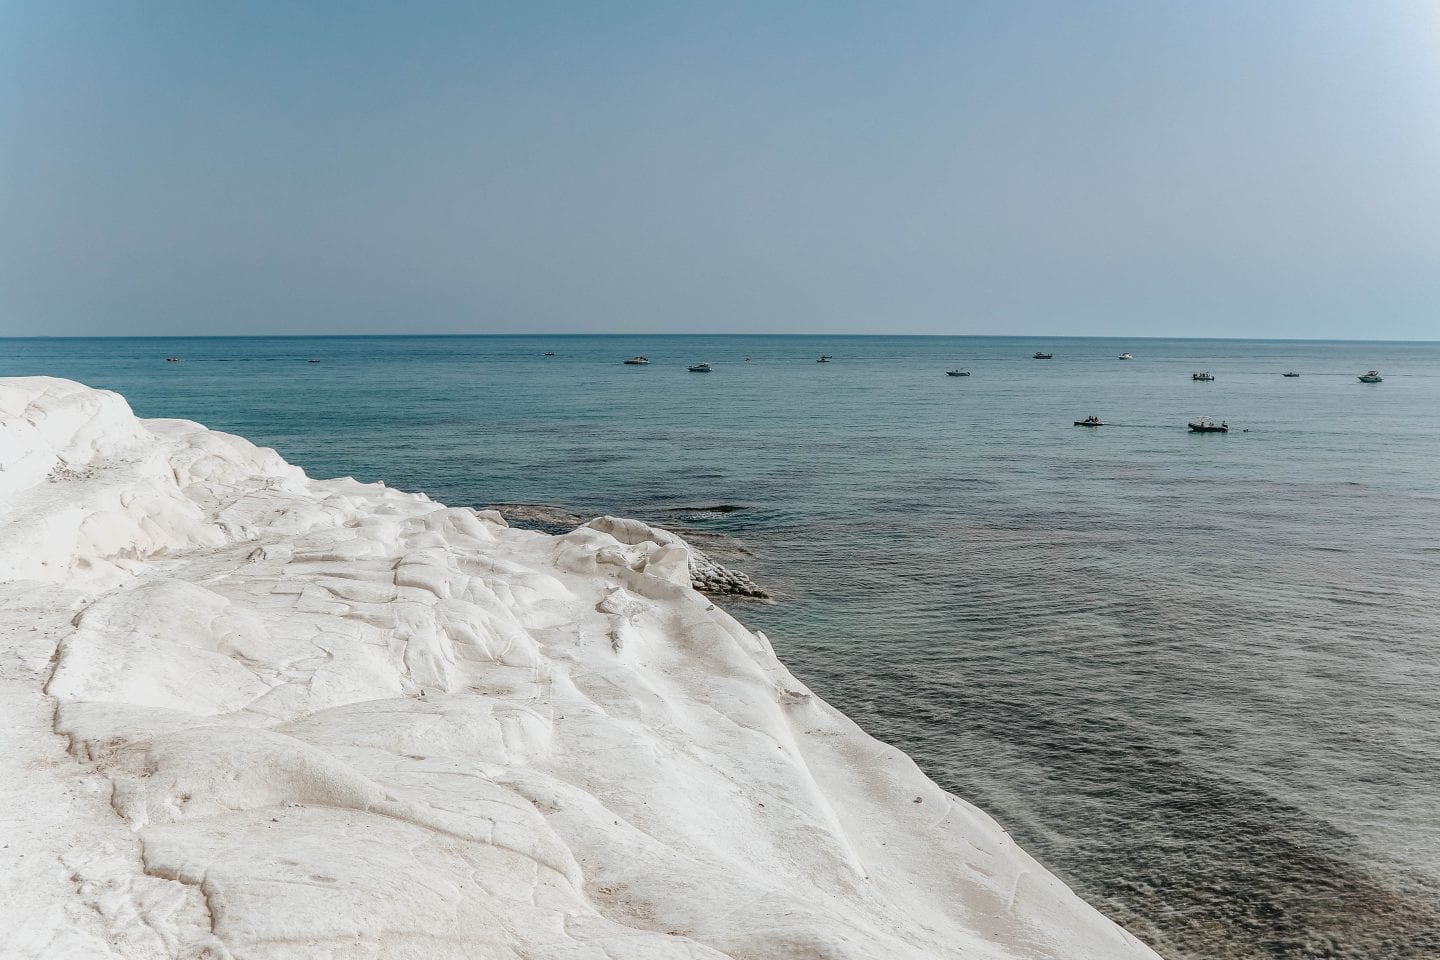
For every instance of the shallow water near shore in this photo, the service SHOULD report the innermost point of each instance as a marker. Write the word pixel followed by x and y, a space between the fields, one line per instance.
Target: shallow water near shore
pixel 1194 675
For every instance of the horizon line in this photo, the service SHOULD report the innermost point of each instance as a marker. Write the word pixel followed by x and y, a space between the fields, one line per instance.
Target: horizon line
pixel 892 336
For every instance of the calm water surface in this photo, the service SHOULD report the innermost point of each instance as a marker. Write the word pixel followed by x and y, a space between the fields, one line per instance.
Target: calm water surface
pixel 1197 676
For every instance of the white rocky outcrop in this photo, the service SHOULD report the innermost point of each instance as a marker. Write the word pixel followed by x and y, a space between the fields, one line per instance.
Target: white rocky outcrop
pixel 258 716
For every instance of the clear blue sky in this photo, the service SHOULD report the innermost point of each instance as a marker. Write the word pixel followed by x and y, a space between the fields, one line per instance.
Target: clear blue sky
pixel 1209 168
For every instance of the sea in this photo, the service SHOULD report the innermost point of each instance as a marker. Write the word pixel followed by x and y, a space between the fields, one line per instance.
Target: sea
pixel 1196 675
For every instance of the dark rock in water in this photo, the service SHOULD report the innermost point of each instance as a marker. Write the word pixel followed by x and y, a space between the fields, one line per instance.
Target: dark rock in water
pixel 717 508
pixel 706 574
pixel 710 577
pixel 541 517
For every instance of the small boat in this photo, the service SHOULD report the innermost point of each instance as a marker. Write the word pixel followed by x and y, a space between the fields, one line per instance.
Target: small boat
pixel 1206 425
pixel 1372 376
pixel 1090 421
pixel 172 359
pixel 637 361
pixel 700 368
pixel 1205 377
pixel 550 354
pixel 824 358
pixel 957 373
pixel 1290 374
pixel 1125 356
pixel 1042 356
pixel 312 361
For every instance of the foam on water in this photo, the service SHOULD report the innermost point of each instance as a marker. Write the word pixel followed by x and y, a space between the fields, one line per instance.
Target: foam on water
pixel 1194 674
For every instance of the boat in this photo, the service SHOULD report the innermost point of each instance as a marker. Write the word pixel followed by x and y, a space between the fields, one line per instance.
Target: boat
pixel 1125 356
pixel 824 358
pixel 1206 425
pixel 550 354
pixel 172 359
pixel 1372 376
pixel 1291 374
pixel 700 368
pixel 957 373
pixel 1205 377
pixel 637 361
pixel 1090 421
pixel 1042 356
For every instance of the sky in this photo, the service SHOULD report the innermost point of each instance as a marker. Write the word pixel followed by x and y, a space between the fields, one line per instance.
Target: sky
pixel 1105 167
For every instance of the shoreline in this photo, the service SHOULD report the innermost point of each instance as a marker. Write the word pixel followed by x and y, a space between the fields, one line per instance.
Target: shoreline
pixel 303 718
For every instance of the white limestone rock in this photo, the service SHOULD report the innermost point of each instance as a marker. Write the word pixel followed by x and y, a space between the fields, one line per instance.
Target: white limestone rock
pixel 256 716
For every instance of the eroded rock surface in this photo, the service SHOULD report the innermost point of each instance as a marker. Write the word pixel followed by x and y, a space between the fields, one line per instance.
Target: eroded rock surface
pixel 258 716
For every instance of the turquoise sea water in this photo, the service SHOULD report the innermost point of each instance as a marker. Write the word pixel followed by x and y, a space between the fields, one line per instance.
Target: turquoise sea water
pixel 1197 676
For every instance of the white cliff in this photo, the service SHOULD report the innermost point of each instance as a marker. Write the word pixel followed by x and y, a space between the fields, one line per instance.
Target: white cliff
pixel 252 715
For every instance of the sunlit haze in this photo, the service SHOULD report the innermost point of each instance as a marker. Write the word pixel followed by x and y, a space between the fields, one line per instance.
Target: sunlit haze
pixel 1122 168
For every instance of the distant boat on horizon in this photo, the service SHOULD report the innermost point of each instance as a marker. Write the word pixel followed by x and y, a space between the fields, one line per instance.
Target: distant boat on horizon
pixel 957 373
pixel 1090 421
pixel 1291 374
pixel 1042 356
pixel 1125 356
pixel 1205 377
pixel 700 368
pixel 1372 376
pixel 636 361
pixel 1206 425
pixel 824 358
